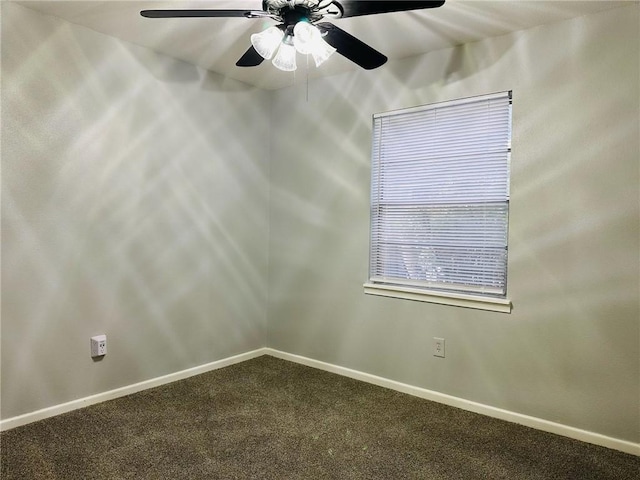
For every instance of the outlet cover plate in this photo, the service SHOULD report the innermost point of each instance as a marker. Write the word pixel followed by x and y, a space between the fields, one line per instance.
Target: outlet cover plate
pixel 99 346
pixel 438 347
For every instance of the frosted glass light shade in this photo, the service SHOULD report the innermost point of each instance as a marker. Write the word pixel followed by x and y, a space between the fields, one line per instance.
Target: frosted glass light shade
pixel 308 40
pixel 285 59
pixel 266 43
pixel 305 37
pixel 321 51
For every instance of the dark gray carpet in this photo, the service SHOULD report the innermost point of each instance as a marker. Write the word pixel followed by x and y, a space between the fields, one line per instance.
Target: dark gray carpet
pixel 271 419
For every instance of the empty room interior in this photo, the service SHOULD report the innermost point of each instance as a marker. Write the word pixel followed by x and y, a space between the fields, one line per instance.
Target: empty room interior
pixel 206 217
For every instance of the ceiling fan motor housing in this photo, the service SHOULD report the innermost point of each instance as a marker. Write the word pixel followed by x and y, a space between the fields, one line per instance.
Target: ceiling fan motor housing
pixel 291 12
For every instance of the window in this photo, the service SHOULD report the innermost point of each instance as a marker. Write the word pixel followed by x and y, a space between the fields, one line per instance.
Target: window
pixel 440 203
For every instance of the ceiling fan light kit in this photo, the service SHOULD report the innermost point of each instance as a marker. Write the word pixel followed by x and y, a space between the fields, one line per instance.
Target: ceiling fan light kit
pixel 306 39
pixel 300 29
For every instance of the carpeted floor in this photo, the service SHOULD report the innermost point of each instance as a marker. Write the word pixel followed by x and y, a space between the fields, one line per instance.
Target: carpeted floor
pixel 271 419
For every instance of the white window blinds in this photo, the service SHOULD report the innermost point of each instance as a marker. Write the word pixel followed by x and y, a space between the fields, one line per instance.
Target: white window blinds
pixel 440 196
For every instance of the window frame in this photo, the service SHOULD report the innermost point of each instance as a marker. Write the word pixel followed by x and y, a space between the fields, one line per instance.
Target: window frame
pixel 412 289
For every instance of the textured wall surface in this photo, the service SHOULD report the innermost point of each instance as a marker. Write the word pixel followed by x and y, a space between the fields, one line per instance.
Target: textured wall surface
pixel 130 206
pixel 569 352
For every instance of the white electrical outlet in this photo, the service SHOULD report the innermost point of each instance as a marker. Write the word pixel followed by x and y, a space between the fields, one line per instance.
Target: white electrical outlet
pixel 99 346
pixel 438 347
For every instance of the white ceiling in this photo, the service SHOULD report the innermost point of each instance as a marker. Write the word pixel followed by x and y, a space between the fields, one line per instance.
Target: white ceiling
pixel 216 43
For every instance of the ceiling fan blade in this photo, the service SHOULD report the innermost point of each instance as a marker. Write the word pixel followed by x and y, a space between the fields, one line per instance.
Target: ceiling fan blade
pixel 350 47
pixel 201 13
pixel 354 8
pixel 251 58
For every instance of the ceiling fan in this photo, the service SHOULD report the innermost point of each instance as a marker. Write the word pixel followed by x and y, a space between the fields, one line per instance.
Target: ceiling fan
pixel 301 29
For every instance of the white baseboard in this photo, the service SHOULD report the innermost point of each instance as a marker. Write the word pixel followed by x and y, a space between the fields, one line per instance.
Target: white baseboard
pixel 127 390
pixel 526 420
pixel 533 422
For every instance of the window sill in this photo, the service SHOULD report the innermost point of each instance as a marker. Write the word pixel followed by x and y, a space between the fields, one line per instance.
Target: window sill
pixel 501 305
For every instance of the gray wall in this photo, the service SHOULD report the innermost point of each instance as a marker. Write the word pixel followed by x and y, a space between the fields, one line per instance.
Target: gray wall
pixel 569 352
pixel 130 206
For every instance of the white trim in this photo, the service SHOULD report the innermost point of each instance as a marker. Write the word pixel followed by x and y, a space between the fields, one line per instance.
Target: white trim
pixel 126 390
pixel 514 417
pixel 501 305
